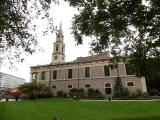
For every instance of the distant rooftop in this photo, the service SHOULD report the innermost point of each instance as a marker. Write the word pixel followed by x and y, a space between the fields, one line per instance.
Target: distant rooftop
pixel 103 55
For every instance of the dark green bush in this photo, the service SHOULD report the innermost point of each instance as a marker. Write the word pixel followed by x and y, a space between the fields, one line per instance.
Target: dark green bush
pixel 95 94
pixel 61 94
pixel 78 93
pixel 35 90
pixel 119 91
pixel 154 92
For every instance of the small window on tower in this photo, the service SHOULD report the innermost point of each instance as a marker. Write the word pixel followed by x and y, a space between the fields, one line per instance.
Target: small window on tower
pixel 57 48
pixel 62 49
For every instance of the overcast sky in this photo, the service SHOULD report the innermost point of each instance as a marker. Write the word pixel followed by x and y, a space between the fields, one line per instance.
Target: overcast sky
pixel 43 56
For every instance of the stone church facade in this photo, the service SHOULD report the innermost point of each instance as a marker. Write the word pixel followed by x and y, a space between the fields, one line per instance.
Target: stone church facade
pixel 85 72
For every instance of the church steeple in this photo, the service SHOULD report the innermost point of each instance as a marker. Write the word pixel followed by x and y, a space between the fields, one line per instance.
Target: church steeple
pixel 60 27
pixel 58 55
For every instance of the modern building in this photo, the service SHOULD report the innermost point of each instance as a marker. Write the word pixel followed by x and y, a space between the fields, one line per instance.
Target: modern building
pixel 9 81
pixel 85 72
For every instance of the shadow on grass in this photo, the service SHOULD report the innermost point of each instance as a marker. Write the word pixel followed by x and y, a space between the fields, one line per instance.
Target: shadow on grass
pixel 140 118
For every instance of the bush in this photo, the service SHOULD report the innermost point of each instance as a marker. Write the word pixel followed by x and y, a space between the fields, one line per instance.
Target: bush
pixel 120 91
pixel 78 93
pixel 125 92
pixel 95 94
pixel 61 94
pixel 91 93
pixel 154 92
pixel 139 95
pixel 35 90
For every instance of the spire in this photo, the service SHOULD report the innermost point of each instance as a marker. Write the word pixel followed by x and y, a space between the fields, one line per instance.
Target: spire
pixel 60 27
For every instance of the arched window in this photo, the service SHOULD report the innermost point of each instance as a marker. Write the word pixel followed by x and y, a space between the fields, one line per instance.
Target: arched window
pixel 130 84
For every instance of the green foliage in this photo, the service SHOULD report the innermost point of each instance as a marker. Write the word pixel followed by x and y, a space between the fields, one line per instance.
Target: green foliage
pixel 79 93
pixel 94 94
pixel 61 94
pixel 68 109
pixel 138 95
pixel 17 32
pixel 119 90
pixel 153 82
pixel 130 28
pixel 35 90
pixel 154 92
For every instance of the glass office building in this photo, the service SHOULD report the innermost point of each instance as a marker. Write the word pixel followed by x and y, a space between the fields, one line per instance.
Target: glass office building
pixel 9 81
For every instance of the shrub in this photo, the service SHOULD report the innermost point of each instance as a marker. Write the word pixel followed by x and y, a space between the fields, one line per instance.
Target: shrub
pixel 120 91
pixel 95 94
pixel 91 93
pixel 61 94
pixel 35 90
pixel 79 93
pixel 154 92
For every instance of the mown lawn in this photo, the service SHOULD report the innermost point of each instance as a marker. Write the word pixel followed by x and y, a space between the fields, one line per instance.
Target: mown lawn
pixel 67 109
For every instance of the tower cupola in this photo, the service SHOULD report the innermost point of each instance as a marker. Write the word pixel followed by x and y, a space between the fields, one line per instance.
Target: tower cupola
pixel 58 55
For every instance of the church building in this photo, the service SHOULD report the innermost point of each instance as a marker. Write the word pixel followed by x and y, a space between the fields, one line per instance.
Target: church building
pixel 84 72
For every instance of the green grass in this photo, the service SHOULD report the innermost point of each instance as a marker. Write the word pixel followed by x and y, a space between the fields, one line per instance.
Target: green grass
pixel 67 109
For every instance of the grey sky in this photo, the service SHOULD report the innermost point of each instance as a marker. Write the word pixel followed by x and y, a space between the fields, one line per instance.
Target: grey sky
pixel 62 13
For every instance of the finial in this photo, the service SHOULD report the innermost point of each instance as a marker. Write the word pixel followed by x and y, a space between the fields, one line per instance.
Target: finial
pixel 60 26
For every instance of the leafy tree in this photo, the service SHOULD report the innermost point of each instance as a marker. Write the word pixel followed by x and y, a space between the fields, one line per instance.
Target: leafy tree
pixel 119 90
pixel 17 35
pixel 131 28
pixel 35 90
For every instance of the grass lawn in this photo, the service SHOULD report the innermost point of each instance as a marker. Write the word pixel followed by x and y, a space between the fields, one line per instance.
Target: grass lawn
pixel 67 109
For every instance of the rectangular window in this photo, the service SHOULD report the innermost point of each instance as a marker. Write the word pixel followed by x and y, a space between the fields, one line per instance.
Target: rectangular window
pixel 54 86
pixel 43 75
pixel 129 69
pixel 55 74
pixel 87 85
pixel 70 86
pixel 106 71
pixel 69 73
pixel 87 71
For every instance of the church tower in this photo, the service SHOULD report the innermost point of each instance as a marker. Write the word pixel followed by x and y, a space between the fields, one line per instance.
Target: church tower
pixel 58 55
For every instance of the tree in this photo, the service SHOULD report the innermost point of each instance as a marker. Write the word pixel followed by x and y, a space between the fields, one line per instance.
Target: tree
pixel 119 90
pixel 35 90
pixel 17 35
pixel 130 28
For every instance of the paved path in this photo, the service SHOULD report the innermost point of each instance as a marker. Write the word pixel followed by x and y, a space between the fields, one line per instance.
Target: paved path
pixel 122 100
pixel 4 100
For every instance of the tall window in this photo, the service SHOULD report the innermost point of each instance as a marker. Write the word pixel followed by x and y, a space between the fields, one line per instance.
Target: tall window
pixel 43 76
pixel 106 70
pixel 56 47
pixel 55 74
pixel 62 48
pixel 87 71
pixel 129 69
pixel 34 76
pixel 69 73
